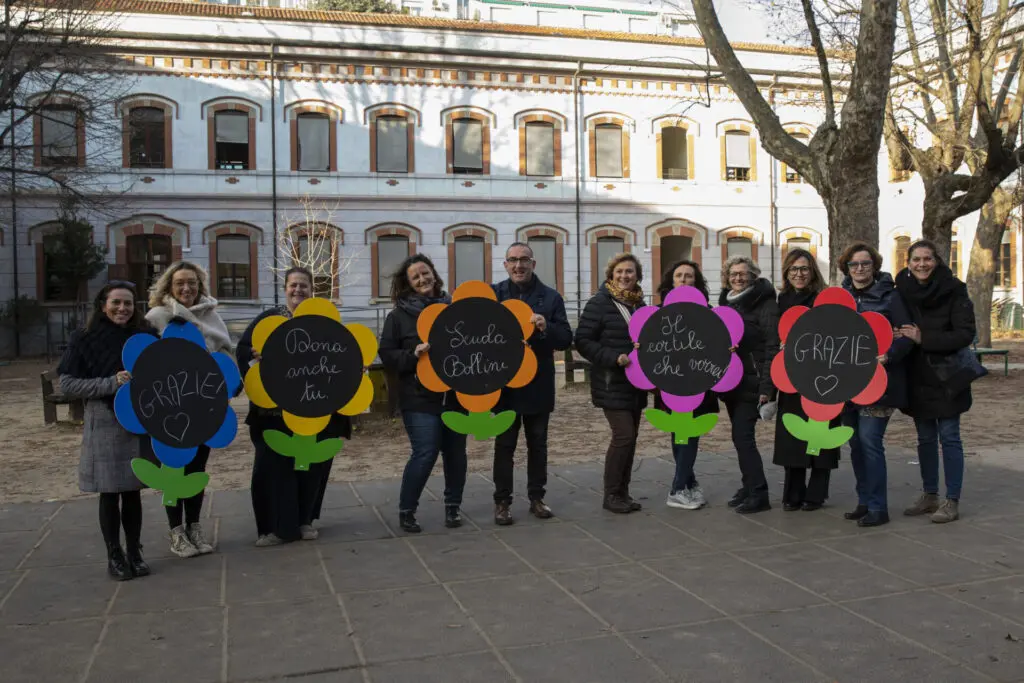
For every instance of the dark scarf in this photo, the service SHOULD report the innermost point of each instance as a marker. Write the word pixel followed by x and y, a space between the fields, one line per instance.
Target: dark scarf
pixel 415 303
pixel 95 352
pixel 796 297
pixel 522 291
pixel 932 294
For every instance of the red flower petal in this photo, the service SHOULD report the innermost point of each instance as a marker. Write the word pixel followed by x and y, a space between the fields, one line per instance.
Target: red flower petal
pixel 819 411
pixel 779 377
pixel 875 388
pixel 836 295
pixel 882 328
pixel 789 319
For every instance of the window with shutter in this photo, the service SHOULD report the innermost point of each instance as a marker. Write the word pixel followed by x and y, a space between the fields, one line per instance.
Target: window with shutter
pixel 607 248
pixel 233 269
pixel 608 150
pixel 540 149
pixel 673 153
pixel 391 251
pixel 467 146
pixel 544 253
pixel 59 136
pixel 737 156
pixel 313 146
pixel 739 246
pixel 146 138
pixel 232 140
pixel 392 144
pixel 469 259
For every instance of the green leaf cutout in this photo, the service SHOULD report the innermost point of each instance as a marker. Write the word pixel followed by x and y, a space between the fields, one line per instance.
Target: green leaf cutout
pixel 481 426
pixel 816 433
pixel 683 426
pixel 306 450
pixel 171 481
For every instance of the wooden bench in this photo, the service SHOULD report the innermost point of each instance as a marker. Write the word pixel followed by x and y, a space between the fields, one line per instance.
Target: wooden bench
pixel 572 364
pixel 982 352
pixel 52 397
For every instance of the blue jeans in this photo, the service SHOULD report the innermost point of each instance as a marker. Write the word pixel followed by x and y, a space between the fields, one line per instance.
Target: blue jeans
pixel 428 437
pixel 685 455
pixel 867 453
pixel 930 432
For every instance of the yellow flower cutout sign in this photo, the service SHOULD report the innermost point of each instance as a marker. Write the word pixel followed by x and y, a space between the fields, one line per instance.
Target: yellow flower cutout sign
pixel 477 347
pixel 311 367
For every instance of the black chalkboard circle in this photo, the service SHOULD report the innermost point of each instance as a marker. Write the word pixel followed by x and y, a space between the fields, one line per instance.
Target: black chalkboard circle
pixel 178 392
pixel 684 349
pixel 312 366
pixel 476 346
pixel 831 354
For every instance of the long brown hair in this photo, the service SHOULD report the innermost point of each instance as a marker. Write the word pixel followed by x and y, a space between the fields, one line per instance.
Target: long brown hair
pixel 817 282
pixel 97 314
pixel 400 285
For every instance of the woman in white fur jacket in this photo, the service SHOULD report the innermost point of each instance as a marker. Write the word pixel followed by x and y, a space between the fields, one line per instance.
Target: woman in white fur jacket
pixel 182 292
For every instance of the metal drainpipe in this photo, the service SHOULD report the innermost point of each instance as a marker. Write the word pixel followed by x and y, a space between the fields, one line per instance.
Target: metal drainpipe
pixel 773 218
pixel 273 160
pixel 14 195
pixel 579 237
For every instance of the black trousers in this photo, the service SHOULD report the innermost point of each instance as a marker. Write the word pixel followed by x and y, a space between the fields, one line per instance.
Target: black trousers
pixel 536 427
pixel 799 489
pixel 744 416
pixel 618 461
pixel 283 498
pixel 117 510
pixel 191 507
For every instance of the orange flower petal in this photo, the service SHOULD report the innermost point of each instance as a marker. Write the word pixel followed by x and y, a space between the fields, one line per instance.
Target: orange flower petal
pixel 522 311
pixel 426 320
pixel 428 378
pixel 473 289
pixel 527 370
pixel 478 404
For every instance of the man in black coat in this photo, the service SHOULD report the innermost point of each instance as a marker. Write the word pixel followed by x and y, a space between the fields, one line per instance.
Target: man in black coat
pixel 534 402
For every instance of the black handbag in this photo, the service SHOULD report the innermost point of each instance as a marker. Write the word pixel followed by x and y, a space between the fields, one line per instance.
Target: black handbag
pixel 956 370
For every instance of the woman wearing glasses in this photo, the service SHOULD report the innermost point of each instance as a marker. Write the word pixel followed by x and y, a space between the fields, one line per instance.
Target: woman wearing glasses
pixel 181 293
pixel 91 369
pixel 874 290
pixel 803 282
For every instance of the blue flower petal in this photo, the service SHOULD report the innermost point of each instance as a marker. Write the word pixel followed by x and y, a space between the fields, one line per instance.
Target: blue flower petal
pixel 232 378
pixel 226 434
pixel 124 411
pixel 172 457
pixel 185 331
pixel 133 348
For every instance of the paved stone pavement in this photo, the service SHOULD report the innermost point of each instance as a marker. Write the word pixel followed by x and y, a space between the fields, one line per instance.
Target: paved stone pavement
pixel 589 597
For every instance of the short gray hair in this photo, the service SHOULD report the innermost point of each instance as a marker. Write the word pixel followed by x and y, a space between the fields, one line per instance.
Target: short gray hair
pixel 737 260
pixel 519 244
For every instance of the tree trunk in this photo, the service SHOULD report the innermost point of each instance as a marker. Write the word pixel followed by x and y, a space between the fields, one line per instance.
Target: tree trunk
pixel 935 225
pixel 981 273
pixel 852 210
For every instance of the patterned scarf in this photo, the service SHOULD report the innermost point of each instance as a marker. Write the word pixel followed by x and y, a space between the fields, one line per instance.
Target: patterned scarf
pixel 632 298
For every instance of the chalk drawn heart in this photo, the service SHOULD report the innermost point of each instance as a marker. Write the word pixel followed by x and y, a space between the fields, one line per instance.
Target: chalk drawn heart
pixel 176 425
pixel 825 385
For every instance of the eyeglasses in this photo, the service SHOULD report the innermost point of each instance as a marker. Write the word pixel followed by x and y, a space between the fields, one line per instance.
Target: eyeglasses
pixel 519 260
pixel 799 270
pixel 859 264
pixel 121 283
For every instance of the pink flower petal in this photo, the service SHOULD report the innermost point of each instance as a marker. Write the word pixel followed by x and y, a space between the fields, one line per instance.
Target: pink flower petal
pixel 732 376
pixel 733 322
pixel 639 319
pixel 682 404
pixel 684 294
pixel 635 374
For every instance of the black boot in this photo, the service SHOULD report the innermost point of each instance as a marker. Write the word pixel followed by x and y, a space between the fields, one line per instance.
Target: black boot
pixel 452 517
pixel 407 520
pixel 617 504
pixel 117 564
pixel 753 505
pixel 135 561
pixel 857 513
pixel 738 498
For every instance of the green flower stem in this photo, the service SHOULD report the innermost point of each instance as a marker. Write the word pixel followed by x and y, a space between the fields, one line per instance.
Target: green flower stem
pixel 818 434
pixel 682 426
pixel 481 426
pixel 172 481
pixel 306 450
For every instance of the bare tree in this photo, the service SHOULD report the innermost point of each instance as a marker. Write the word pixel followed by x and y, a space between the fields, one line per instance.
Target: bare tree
pixel 58 91
pixel 841 160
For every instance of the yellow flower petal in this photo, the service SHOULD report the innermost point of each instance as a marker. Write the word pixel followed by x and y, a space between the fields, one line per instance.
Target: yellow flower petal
pixel 366 339
pixel 254 389
pixel 306 426
pixel 322 307
pixel 264 329
pixel 361 401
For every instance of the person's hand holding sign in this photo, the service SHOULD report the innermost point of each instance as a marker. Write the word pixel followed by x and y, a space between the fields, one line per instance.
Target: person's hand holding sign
pixel 911 332
pixel 539 322
pixel 123 377
pixel 421 349
pixel 622 360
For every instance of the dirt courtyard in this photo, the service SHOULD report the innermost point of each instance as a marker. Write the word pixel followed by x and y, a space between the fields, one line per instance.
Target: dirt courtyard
pixel 39 462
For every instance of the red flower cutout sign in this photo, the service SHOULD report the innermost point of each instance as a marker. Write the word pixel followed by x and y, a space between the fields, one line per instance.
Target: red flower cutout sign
pixel 830 356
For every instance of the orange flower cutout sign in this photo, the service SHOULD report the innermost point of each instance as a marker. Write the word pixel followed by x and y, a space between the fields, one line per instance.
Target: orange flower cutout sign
pixel 477 347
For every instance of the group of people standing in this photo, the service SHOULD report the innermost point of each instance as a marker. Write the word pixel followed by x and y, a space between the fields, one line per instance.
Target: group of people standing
pixel 929 310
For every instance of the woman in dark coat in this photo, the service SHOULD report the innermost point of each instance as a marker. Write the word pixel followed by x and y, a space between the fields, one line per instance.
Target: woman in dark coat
pixel 285 501
pixel 91 369
pixel 873 290
pixel 801 286
pixel 753 297
pixel 943 325
pixel 415 286
pixel 686 493
pixel 603 338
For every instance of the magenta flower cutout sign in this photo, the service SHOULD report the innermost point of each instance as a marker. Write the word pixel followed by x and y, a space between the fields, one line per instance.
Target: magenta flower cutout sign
pixel 684 349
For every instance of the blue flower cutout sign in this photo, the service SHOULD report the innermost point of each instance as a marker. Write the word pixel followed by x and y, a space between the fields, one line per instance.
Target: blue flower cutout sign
pixel 179 395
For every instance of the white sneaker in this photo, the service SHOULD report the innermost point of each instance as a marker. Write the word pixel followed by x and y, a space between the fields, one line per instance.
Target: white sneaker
pixel 268 540
pixel 180 543
pixel 308 532
pixel 195 534
pixel 682 500
pixel 697 494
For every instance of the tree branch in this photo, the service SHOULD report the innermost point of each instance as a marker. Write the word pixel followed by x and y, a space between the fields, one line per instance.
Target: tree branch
pixel 819 50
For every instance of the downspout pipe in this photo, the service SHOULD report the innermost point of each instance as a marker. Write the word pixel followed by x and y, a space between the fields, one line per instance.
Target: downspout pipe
pixel 273 162
pixel 8 65
pixel 576 148
pixel 773 185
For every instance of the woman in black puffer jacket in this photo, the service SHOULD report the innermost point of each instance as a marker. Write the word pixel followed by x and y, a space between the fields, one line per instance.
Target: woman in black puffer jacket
pixel 753 297
pixel 603 338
